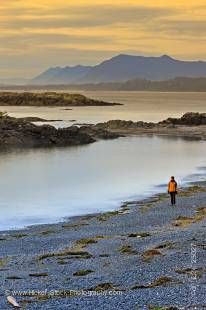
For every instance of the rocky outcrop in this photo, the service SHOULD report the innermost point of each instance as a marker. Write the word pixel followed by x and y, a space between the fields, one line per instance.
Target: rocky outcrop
pixel 21 132
pixel 188 119
pixel 18 132
pixel 38 119
pixel 121 124
pixel 49 99
pixel 98 133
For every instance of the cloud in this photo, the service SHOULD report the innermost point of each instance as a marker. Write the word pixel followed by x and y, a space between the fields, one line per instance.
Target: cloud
pixel 184 28
pixel 44 38
pixel 40 33
pixel 91 16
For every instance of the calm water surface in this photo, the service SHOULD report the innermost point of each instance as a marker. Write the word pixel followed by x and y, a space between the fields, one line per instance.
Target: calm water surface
pixel 146 106
pixel 44 186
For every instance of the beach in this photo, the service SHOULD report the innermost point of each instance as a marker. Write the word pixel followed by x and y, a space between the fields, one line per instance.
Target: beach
pixel 102 155
pixel 145 255
pixel 139 254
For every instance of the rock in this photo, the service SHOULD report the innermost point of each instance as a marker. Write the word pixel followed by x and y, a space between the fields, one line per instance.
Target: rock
pixel 20 132
pixel 188 119
pixel 49 99
pixel 38 119
pixel 122 125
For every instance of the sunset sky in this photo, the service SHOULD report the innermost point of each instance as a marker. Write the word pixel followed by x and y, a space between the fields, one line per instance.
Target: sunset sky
pixel 37 34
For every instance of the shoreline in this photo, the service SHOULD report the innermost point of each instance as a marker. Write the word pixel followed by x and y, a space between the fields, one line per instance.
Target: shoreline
pixel 131 250
pixel 139 256
pixel 67 219
pixel 22 132
pixel 138 201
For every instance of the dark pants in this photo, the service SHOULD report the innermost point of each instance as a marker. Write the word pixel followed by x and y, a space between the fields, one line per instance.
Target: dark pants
pixel 173 198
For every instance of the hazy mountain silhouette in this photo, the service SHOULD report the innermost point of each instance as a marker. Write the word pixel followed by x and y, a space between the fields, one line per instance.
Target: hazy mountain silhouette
pixel 46 76
pixel 60 75
pixel 178 84
pixel 123 68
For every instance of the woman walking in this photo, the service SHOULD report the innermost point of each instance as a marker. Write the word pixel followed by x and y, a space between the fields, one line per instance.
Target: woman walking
pixel 172 190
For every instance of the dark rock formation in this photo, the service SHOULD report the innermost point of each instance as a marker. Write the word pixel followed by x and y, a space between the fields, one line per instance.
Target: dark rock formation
pixel 99 133
pixel 188 119
pixel 49 99
pixel 38 119
pixel 18 132
pixel 120 124
pixel 21 132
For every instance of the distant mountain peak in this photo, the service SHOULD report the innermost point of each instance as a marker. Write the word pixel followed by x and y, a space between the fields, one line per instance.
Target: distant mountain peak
pixel 166 56
pixel 61 75
pixel 75 67
pixel 122 56
pixel 124 67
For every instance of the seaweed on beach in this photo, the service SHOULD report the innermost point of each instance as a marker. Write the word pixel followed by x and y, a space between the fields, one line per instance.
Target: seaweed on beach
pixel 67 252
pixel 104 287
pixel 162 281
pixel 38 275
pixel 139 235
pixel 86 241
pixel 148 255
pixel 196 272
pixel 82 272
pixel 184 221
pixel 127 249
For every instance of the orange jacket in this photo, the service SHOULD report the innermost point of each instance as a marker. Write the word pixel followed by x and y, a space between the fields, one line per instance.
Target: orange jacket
pixel 172 186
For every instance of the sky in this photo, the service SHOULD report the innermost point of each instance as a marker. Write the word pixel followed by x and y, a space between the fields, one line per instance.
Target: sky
pixel 37 34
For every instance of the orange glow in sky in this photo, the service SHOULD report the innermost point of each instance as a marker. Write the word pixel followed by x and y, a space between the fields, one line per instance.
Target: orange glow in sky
pixel 38 34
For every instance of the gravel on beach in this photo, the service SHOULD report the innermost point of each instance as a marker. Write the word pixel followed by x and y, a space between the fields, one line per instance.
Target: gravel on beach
pixel 146 255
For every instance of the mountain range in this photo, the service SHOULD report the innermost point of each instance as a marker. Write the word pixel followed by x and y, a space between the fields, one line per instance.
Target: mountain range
pixel 58 75
pixel 178 84
pixel 122 68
